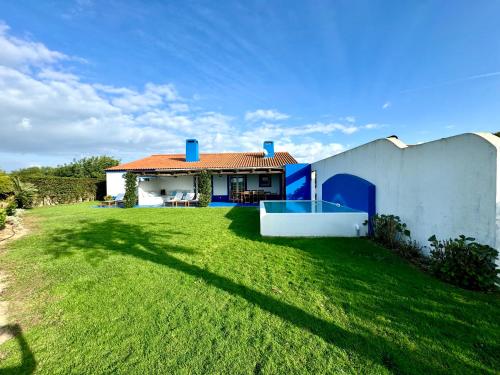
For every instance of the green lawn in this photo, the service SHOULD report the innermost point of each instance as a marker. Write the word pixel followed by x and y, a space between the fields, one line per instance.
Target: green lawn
pixel 199 291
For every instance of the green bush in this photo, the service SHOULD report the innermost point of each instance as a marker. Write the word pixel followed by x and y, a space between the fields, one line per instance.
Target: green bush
pixel 130 197
pixel 389 231
pixel 204 188
pixel 3 216
pixel 60 190
pixel 6 185
pixel 10 209
pixel 463 262
pixel 25 193
pixel 91 167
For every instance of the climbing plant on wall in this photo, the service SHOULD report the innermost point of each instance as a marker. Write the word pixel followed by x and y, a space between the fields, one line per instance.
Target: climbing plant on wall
pixel 130 198
pixel 205 188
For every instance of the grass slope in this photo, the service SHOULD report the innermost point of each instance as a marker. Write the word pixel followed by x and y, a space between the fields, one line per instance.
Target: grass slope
pixel 199 291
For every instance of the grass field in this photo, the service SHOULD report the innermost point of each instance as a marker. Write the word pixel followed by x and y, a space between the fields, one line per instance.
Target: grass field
pixel 199 291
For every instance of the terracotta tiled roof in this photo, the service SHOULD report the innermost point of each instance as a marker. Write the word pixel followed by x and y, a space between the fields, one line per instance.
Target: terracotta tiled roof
pixel 230 160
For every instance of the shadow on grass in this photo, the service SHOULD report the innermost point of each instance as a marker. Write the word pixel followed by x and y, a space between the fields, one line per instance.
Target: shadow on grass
pixel 28 362
pixel 411 301
pixel 98 240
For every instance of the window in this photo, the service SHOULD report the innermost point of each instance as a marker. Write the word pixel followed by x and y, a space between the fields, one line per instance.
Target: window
pixel 264 180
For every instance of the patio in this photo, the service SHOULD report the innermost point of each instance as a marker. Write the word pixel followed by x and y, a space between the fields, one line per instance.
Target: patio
pixel 241 188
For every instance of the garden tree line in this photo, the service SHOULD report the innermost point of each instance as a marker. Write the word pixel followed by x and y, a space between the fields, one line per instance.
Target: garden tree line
pixel 80 180
pixel 89 167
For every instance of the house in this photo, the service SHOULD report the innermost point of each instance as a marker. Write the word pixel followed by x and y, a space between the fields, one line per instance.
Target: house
pixel 161 175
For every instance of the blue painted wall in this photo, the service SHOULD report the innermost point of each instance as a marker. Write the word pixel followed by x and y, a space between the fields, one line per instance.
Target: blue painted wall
pixel 298 181
pixel 351 191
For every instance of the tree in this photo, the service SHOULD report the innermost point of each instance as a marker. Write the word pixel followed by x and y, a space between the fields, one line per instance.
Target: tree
pixel 130 197
pixel 205 188
pixel 91 167
pixel 25 193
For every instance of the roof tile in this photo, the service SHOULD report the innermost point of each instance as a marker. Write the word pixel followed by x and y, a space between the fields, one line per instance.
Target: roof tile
pixel 228 160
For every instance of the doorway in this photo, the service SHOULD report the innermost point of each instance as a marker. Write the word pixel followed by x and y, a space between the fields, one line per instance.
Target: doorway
pixel 237 184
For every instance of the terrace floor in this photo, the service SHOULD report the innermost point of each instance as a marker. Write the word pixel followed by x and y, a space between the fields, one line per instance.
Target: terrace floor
pixel 200 291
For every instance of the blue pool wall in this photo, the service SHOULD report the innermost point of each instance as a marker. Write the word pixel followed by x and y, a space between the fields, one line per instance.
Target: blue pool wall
pixel 298 181
pixel 351 191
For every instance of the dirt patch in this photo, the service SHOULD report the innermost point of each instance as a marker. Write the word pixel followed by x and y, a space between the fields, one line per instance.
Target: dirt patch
pixel 16 227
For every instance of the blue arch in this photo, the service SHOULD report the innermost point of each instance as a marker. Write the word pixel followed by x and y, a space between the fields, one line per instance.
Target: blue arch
pixel 351 191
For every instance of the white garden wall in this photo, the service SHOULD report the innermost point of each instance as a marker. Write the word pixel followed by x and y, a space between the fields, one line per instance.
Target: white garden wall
pixel 446 187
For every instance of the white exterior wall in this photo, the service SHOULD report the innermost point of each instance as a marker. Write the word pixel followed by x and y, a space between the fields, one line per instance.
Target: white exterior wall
pixel 169 184
pixel 220 185
pixel 253 183
pixel 446 187
pixel 115 184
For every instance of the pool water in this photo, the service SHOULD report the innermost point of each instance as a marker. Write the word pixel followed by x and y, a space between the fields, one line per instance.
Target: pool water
pixel 299 207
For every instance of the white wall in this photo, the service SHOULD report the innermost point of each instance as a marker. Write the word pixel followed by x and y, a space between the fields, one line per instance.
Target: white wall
pixel 220 185
pixel 446 187
pixel 253 183
pixel 115 184
pixel 169 184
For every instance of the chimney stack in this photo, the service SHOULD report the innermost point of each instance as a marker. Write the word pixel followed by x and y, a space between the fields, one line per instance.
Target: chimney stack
pixel 268 149
pixel 192 152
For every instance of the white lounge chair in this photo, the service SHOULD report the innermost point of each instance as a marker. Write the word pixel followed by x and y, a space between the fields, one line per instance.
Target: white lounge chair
pixel 175 199
pixel 188 199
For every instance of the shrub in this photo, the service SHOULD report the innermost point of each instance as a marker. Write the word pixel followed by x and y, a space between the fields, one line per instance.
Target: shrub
pixel 6 185
pixel 25 193
pixel 3 216
pixel 57 190
pixel 130 197
pixel 464 262
pixel 205 188
pixel 389 231
pixel 10 209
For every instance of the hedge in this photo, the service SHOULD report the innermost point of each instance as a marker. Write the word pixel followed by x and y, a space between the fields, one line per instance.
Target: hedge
pixel 58 190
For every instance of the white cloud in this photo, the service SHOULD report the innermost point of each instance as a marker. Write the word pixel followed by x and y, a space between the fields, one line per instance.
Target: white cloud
pixel 350 119
pixel 372 126
pixel 24 124
pixel 21 53
pixel 179 107
pixel 311 151
pixel 265 114
pixel 62 117
pixel 386 105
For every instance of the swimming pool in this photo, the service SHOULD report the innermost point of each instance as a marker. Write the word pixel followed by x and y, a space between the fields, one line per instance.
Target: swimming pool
pixel 310 219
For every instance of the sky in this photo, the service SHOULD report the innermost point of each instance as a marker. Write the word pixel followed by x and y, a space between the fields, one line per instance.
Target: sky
pixel 133 78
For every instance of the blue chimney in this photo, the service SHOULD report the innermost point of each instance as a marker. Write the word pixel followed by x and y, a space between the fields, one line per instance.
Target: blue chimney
pixel 268 149
pixel 192 153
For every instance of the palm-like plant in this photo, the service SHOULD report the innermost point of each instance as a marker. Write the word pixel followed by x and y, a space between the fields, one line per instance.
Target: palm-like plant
pixel 25 193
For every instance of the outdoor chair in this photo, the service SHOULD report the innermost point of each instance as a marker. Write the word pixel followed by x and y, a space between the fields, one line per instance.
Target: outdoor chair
pixel 187 199
pixel 119 199
pixel 175 199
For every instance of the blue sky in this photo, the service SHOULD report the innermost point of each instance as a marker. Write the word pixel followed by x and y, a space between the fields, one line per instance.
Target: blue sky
pixel 134 78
